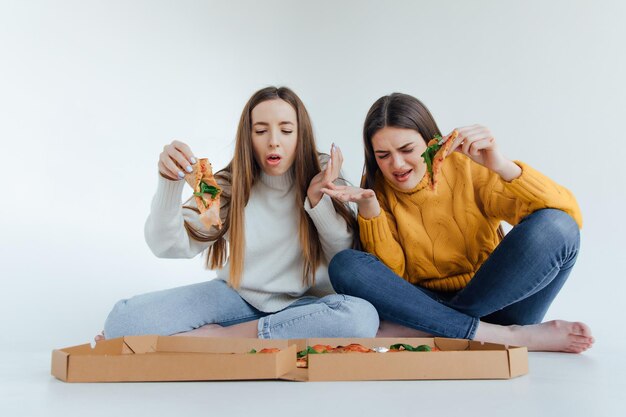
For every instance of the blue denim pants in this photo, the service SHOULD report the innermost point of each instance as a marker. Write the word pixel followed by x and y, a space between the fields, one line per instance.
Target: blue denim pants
pixel 186 308
pixel 516 284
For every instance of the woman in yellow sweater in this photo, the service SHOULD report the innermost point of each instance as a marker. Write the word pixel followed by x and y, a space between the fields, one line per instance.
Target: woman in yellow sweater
pixel 436 260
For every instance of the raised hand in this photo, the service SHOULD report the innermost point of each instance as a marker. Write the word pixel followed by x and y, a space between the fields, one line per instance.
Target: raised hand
pixel 175 160
pixel 325 177
pixel 364 198
pixel 477 143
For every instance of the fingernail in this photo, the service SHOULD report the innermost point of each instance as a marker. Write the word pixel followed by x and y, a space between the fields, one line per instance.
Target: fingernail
pixel 193 160
pixel 189 168
pixel 181 174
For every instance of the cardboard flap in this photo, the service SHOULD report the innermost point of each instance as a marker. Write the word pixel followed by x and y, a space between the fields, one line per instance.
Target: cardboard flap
pixel 298 374
pixel 59 364
pixel 78 350
pixel 518 361
pixel 451 344
pixel 109 347
pixel 475 345
pixel 141 344
pixel 285 360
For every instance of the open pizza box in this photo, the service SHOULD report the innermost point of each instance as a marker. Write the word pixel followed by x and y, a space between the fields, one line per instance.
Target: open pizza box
pixel 169 358
pixel 456 359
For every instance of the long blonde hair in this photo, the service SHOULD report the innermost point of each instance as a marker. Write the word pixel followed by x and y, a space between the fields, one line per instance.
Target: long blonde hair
pixel 237 179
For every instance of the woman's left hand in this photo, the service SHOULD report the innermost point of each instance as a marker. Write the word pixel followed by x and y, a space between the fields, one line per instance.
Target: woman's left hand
pixel 325 178
pixel 478 144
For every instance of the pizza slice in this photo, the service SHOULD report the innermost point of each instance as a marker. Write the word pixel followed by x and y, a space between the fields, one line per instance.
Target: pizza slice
pixel 206 192
pixel 437 150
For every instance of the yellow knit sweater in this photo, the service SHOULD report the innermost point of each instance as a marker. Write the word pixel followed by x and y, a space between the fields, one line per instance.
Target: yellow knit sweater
pixel 439 239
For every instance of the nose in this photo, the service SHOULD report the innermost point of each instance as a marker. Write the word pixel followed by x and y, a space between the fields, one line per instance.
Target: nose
pixel 274 141
pixel 397 161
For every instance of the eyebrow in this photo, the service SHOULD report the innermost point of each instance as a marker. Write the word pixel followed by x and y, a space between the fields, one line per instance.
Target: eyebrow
pixel 267 124
pixel 400 148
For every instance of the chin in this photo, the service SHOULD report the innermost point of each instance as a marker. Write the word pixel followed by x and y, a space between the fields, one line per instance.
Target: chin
pixel 406 185
pixel 274 171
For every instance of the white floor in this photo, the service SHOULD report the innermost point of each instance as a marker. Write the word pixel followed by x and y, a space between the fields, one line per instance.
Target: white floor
pixel 591 384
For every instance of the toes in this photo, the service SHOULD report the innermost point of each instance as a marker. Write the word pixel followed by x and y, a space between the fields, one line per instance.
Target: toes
pixel 581 329
pixel 578 347
pixel 580 339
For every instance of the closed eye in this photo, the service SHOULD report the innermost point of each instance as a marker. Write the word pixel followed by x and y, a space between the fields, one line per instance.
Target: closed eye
pixel 407 150
pixel 382 156
pixel 287 132
pixel 260 132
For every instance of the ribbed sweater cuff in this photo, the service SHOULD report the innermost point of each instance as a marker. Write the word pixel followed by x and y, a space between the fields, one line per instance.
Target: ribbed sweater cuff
pixel 530 185
pixel 375 229
pixel 324 215
pixel 168 195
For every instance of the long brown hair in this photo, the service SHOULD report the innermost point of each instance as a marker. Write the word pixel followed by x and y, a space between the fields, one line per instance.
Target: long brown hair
pixel 396 110
pixel 237 179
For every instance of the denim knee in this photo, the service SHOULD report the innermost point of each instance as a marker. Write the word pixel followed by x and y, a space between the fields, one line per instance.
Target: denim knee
pixel 364 321
pixel 115 325
pixel 559 226
pixel 341 267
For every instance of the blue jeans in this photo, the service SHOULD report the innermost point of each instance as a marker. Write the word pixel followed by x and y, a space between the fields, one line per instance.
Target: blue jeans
pixel 516 284
pixel 186 308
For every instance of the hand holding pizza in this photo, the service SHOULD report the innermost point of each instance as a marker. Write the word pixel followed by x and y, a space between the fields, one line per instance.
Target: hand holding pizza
pixel 325 177
pixel 176 160
pixel 477 143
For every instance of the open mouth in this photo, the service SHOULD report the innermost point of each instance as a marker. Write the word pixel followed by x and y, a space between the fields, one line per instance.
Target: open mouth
pixel 273 159
pixel 403 175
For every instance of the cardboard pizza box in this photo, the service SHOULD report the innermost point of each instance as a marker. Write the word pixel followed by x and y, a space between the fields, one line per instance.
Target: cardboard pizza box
pixel 169 358
pixel 457 359
pixel 172 358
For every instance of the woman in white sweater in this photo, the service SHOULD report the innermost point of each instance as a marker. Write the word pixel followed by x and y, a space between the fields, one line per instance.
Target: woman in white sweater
pixel 279 233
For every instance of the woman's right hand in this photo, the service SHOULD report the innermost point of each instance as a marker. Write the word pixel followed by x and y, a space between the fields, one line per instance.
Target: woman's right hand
pixel 175 160
pixel 364 198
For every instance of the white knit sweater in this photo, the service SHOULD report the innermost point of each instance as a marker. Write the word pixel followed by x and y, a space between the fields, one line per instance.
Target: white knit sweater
pixel 273 263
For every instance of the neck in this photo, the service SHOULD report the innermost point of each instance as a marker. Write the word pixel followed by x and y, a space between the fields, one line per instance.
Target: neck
pixel 279 182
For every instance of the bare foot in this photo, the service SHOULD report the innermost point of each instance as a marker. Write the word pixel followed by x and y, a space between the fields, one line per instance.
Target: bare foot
pixel 551 336
pixel 99 337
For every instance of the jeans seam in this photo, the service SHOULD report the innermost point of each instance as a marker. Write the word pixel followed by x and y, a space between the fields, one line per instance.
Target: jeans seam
pixel 268 328
pixel 245 316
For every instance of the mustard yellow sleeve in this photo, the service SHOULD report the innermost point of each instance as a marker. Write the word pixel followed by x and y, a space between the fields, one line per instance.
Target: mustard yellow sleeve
pixel 379 237
pixel 531 191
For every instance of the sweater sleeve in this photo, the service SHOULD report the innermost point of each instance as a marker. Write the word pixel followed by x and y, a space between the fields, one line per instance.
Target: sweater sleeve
pixel 379 236
pixel 531 191
pixel 331 227
pixel 165 231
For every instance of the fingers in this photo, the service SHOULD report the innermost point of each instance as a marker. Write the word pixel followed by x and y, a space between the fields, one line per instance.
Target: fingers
pixel 349 194
pixel 175 160
pixel 179 158
pixel 337 161
pixel 480 144
pixel 472 139
pixel 169 170
pixel 333 168
pixel 328 170
pixel 185 150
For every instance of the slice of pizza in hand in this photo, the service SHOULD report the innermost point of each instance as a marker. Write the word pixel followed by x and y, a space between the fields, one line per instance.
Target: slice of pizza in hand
pixel 206 193
pixel 437 150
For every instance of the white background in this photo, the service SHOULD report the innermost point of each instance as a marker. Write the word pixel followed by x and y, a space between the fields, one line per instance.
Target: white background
pixel 90 91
